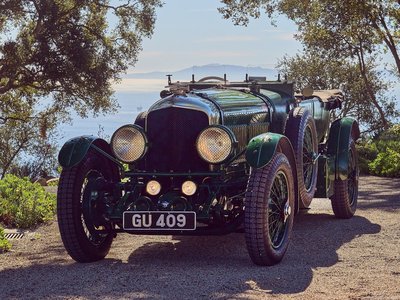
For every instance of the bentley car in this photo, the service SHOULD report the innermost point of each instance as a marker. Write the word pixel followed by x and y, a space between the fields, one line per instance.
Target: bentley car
pixel 211 157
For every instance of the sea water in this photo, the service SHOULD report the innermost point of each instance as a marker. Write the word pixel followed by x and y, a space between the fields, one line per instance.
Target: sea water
pixel 131 104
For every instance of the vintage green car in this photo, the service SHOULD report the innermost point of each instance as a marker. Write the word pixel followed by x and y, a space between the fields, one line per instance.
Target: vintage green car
pixel 211 157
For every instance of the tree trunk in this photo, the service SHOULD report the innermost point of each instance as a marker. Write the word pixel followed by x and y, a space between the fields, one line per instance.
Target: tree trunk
pixel 371 93
pixel 8 164
pixel 389 41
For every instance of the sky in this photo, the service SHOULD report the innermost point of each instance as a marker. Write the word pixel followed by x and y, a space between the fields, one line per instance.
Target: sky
pixel 191 32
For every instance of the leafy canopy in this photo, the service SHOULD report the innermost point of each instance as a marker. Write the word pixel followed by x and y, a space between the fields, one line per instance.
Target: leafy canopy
pixel 312 68
pixel 345 26
pixel 355 32
pixel 70 49
pixel 59 56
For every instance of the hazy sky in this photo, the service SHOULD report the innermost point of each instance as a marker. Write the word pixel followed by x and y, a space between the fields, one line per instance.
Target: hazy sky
pixel 193 32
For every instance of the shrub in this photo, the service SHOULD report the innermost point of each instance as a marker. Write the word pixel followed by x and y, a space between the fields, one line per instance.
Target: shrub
pixel 393 133
pixel 367 152
pixel 386 164
pixel 4 244
pixel 24 204
pixel 381 155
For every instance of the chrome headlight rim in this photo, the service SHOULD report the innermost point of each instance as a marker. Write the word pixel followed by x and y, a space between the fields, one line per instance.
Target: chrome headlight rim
pixel 232 138
pixel 145 142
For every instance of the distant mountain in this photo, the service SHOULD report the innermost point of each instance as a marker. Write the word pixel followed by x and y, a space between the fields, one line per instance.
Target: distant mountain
pixel 232 72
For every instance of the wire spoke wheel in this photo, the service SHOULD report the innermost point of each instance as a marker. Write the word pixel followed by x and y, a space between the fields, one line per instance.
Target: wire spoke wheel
pixel 269 211
pixel 308 164
pixel 83 228
pixel 302 133
pixel 91 210
pixel 276 210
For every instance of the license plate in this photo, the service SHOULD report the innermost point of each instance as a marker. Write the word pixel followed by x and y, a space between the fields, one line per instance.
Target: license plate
pixel 159 220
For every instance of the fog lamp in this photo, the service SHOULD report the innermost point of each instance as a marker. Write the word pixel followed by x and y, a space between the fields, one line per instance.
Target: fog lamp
pixel 189 188
pixel 153 187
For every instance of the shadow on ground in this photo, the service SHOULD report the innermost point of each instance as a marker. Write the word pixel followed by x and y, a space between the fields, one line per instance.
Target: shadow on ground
pixel 195 267
pixel 378 192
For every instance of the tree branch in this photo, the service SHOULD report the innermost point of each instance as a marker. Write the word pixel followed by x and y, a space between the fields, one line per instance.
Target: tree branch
pixel 360 55
pixel 9 162
pixel 388 38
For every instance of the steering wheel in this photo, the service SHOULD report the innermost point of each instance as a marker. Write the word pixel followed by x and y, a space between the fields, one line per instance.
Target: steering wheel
pixel 211 78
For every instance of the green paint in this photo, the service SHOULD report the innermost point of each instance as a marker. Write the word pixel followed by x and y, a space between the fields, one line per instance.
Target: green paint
pixel 338 147
pixel 74 150
pixel 262 148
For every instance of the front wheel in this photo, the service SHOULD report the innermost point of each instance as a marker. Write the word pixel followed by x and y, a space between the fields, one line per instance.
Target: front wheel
pixel 80 213
pixel 269 211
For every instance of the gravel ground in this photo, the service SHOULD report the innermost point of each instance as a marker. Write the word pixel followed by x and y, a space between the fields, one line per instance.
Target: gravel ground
pixel 327 259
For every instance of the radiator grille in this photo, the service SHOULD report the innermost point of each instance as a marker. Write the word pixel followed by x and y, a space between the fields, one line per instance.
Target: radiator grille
pixel 244 133
pixel 172 134
pixel 257 128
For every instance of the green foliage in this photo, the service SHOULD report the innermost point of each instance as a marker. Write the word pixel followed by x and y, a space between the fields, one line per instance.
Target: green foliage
pixel 343 32
pixel 347 27
pixel 57 57
pixel 381 156
pixel 367 152
pixel 312 68
pixel 392 133
pixel 24 151
pixel 24 204
pixel 386 164
pixel 4 244
pixel 71 49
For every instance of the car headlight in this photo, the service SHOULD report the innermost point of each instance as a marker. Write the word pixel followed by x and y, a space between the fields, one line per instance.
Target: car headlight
pixel 129 143
pixel 215 144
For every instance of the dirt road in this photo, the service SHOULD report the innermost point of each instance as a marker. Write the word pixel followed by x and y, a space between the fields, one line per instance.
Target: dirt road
pixel 327 259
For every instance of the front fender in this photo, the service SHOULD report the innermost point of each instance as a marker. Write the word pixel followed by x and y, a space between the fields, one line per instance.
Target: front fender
pixel 263 147
pixel 75 149
pixel 342 130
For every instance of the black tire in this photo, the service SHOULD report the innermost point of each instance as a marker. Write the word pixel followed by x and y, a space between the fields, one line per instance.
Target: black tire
pixel 269 211
pixel 344 198
pixel 302 133
pixel 81 243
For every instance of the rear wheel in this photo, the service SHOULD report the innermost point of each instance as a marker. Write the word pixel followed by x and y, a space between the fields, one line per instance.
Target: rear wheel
pixel 81 220
pixel 344 198
pixel 269 211
pixel 301 131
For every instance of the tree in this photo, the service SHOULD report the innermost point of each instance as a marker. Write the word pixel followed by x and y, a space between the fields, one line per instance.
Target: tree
pixel 57 56
pixel 356 30
pixel 312 68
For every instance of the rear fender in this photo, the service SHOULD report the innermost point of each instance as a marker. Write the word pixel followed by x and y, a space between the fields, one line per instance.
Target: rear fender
pixel 263 147
pixel 75 149
pixel 341 131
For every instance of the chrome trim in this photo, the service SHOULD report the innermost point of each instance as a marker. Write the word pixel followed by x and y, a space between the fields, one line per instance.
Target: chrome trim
pixel 189 101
